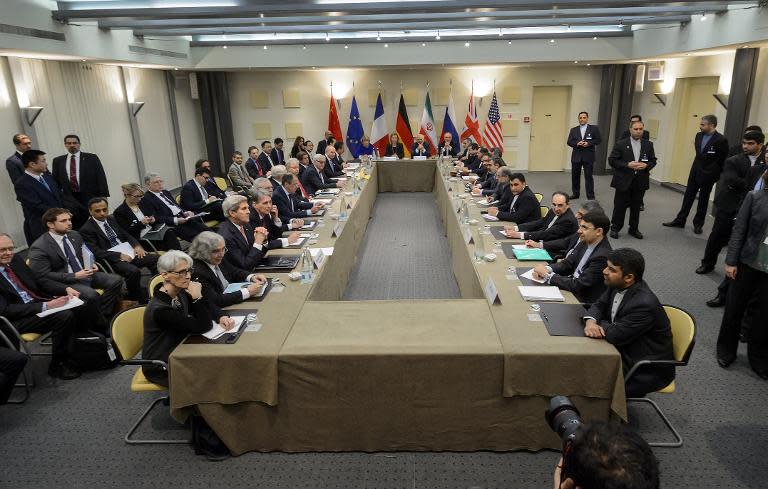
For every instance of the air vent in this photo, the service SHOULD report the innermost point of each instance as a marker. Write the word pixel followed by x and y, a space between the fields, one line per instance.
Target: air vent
pixel 156 52
pixel 27 32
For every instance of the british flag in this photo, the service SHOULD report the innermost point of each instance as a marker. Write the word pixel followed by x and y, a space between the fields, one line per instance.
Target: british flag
pixel 471 124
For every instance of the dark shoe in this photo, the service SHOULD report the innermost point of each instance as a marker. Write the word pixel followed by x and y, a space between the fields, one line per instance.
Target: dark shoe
pixel 725 362
pixel 574 197
pixel 614 234
pixel 763 374
pixel 697 230
pixel 590 197
pixel 718 301
pixel 704 269
pixel 63 371
pixel 637 234
pixel 673 224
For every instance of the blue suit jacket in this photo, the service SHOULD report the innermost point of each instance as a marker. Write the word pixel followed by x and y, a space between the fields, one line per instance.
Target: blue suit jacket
pixel 15 166
pixel 285 210
pixel 240 250
pixel 35 199
pixel 191 199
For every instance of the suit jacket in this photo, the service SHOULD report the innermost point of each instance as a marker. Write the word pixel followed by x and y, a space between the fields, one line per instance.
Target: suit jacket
pixel 213 189
pixel 289 206
pixel 489 185
pixel 588 287
pixel 454 151
pixel 314 180
pixel 126 220
pixel 212 288
pixel 99 243
pixel 239 176
pixel 626 135
pixel 278 156
pixel 734 183
pixel 749 231
pixel 92 182
pixel 417 152
pixel 639 331
pixel 591 135
pixel 399 151
pixel 15 166
pixel 265 163
pixel 191 198
pixel 565 225
pixel 253 167
pixel 525 209
pixel 333 168
pixel 240 250
pixel 563 246
pixel 275 231
pixel 321 145
pixel 11 304
pixel 708 162
pixel 35 199
pixel 49 264
pixel 151 205
pixel 623 176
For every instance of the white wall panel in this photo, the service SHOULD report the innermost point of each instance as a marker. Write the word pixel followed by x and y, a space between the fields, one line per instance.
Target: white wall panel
pixel 11 218
pixel 190 128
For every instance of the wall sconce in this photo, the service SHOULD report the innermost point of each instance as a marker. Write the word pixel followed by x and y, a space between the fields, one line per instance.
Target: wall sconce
pixel 135 107
pixel 31 114
pixel 722 98
pixel 661 97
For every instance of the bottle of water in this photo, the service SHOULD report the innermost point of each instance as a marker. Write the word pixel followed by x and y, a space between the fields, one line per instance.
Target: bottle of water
pixel 307 266
pixel 479 245
pixel 512 273
pixel 343 209
pixel 465 211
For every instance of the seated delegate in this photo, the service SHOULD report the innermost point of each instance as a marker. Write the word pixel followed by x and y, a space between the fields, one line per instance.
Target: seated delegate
pixel 395 147
pixel 562 246
pixel 517 202
pixel 129 216
pixel 244 244
pixel 558 223
pixel 630 317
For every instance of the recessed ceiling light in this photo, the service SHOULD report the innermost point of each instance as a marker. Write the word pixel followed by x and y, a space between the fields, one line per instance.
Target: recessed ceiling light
pixel 423 44
pixel 589 64
pixel 261 15
pixel 703 16
pixel 327 37
pixel 551 41
pixel 509 42
pixel 438 35
pixel 82 60
pixel 346 47
pixel 224 47
pixel 466 44
pixel 386 45
pixel 500 33
pixel 175 69
pixel 304 47
pixel 378 36
pixel 265 46
pixel 575 62
pixel 314 67
pixel 594 38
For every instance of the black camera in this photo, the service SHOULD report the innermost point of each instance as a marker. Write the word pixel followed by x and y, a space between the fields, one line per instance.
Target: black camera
pixel 564 419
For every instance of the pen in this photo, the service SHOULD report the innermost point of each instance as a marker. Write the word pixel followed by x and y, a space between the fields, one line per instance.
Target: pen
pixel 543 315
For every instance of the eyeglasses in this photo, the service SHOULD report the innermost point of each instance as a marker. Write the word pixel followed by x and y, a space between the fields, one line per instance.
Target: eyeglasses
pixel 135 196
pixel 186 271
pixel 586 228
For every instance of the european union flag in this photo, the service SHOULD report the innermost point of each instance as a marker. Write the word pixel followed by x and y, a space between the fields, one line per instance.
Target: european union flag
pixel 354 130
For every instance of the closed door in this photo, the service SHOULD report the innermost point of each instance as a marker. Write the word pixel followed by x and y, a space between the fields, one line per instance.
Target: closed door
pixel 696 100
pixel 549 128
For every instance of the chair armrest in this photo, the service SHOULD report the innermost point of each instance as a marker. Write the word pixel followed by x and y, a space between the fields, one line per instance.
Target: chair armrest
pixel 642 363
pixel 15 332
pixel 157 363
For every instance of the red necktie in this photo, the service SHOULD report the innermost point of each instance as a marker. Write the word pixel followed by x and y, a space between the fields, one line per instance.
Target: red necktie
pixel 303 192
pixel 18 283
pixel 242 231
pixel 73 174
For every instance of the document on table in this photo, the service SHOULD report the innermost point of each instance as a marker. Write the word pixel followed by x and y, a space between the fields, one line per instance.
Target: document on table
pixel 529 275
pixel 322 201
pixel 538 293
pixel 71 303
pixel 236 286
pixel 489 217
pixel 332 191
pixel 326 251
pixel 485 203
pixel 518 246
pixel 125 249
pixel 308 225
pixel 353 166
pixel 419 157
pixel 216 329
pixel 298 243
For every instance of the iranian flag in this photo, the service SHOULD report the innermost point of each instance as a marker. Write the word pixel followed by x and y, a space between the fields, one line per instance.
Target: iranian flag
pixel 428 126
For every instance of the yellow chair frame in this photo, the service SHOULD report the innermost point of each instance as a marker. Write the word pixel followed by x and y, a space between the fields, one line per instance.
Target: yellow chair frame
pixel 543 210
pixel 683 340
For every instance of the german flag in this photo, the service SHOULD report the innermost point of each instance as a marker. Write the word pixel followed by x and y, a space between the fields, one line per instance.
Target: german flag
pixel 403 128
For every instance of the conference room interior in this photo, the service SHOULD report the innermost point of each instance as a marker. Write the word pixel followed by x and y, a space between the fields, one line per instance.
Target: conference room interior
pixel 153 88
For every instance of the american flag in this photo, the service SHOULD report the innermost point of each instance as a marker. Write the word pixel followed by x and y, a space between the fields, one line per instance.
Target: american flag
pixel 493 136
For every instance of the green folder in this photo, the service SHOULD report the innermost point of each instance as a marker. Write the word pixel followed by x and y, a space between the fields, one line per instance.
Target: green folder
pixel 532 254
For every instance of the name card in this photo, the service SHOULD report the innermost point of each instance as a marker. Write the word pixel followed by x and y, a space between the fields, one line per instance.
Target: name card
pixel 337 230
pixel 467 235
pixel 319 258
pixel 491 294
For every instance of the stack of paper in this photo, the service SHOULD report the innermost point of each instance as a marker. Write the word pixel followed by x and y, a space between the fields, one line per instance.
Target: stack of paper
pixel 532 254
pixel 322 201
pixel 332 191
pixel 538 293
pixel 485 203
pixel 216 329
pixel 529 275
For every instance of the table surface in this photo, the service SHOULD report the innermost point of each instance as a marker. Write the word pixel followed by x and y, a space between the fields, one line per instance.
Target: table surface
pixel 306 328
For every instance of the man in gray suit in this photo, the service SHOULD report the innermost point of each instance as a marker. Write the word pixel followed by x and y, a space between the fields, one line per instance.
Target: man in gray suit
pixel 13 163
pixel 56 257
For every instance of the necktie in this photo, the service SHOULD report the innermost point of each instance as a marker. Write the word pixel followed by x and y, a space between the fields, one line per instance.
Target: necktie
pixel 203 192
pixel 71 258
pixel 290 199
pixel 167 200
pixel 111 234
pixel 242 231
pixel 303 192
pixel 73 174
pixel 45 184
pixel 25 294
pixel 280 157
pixel 220 276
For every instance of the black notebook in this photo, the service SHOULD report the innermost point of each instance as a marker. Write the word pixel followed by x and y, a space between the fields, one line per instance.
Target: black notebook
pixel 278 263
pixel 563 319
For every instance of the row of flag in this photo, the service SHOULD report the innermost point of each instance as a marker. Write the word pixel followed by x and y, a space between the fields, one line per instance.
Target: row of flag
pixel 491 137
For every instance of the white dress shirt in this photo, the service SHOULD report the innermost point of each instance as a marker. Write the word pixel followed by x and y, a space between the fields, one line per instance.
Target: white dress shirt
pixel 224 282
pixel 583 130
pixel 101 226
pixel 60 241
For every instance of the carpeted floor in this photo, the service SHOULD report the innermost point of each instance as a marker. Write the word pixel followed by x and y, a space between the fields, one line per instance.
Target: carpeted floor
pixel 70 433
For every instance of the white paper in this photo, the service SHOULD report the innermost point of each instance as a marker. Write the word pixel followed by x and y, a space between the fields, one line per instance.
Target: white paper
pixel 537 293
pixel 389 158
pixel 236 286
pixel 216 330
pixel 150 229
pixel 124 248
pixel 339 179
pixel 519 247
pixel 467 178
pixel 71 303
pixel 485 203
pixel 491 294
pixel 353 166
pixel 298 243
pixel 319 259
pixel 337 230
pixel 326 251
pixel 529 275
pixel 419 157
pixel 88 259
pixel 322 201
pixel 467 235
pixel 489 217
pixel 333 191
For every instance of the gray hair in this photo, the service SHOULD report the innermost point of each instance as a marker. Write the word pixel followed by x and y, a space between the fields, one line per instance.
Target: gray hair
pixel 149 177
pixel 256 186
pixel 171 259
pixel 258 195
pixel 203 244
pixel 507 172
pixel 278 171
pixel 591 206
pixel 710 119
pixel 318 157
pixel 232 203
pixel 290 162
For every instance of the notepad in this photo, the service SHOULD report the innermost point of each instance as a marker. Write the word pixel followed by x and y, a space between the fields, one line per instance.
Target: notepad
pixel 124 248
pixel 532 254
pixel 539 293
pixel 322 201
pixel 72 302
pixel 489 217
pixel 530 276
pixel 216 329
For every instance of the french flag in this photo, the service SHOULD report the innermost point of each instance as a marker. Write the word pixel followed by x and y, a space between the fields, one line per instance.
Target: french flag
pixel 379 132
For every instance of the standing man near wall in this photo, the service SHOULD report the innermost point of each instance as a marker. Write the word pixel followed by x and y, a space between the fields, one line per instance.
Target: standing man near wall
pixel 711 151
pixel 13 163
pixel 583 139
pixel 80 177
pixel 37 192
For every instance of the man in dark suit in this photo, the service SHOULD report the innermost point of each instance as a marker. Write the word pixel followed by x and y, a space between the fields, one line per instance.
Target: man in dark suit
pixel 252 165
pixel 420 146
pixel 245 245
pixel 324 143
pixel 264 214
pixel 629 316
pixel 210 185
pixel 80 177
pixel 473 159
pixel 583 139
pixel 22 298
pixel 265 158
pixel 215 274
pixel 37 192
pixel 711 152
pixel 57 258
pixel 523 206
pixel 448 147
pixel 195 196
pixel 561 247
pixel 289 206
pixel 581 272
pixel 101 232
pixel 13 163
pixel 277 154
pixel 632 161
pixel 333 167
pixel 625 134
pixel 160 204
pixel 314 177
pixel 558 223
pixel 297 169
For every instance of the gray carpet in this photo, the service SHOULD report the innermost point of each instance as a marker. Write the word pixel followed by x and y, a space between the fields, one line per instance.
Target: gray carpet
pixel 70 433
pixel 404 254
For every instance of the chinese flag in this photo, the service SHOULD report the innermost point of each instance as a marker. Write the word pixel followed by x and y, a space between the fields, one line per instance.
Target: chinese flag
pixel 333 121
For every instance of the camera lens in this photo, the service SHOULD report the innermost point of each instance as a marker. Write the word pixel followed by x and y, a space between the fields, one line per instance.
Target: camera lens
pixel 563 417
